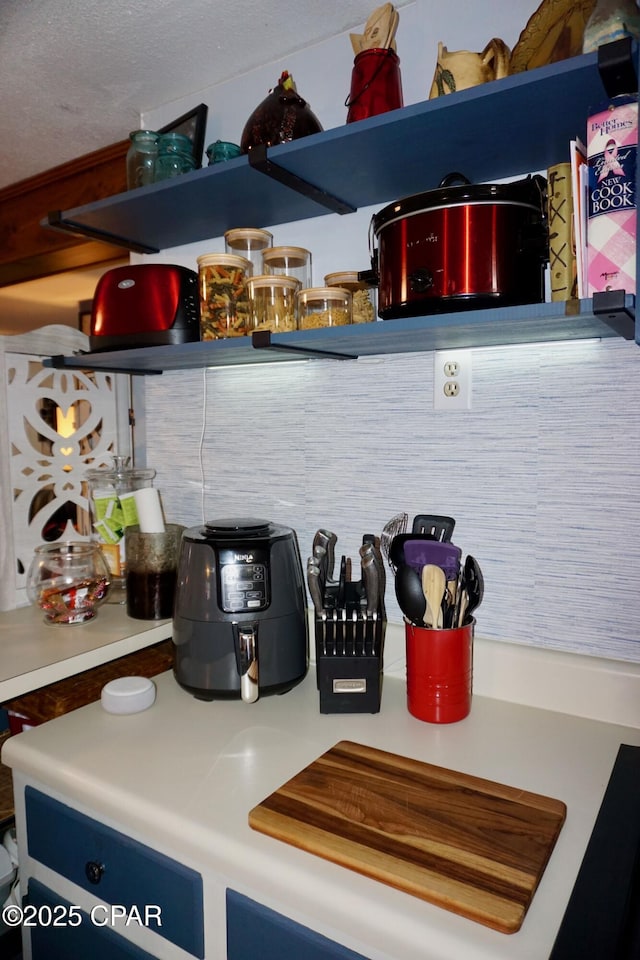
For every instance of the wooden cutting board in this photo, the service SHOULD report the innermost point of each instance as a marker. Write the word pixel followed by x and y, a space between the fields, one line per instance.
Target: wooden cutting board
pixel 469 845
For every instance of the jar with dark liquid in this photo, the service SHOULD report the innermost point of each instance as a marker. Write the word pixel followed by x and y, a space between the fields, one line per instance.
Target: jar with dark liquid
pixel 152 565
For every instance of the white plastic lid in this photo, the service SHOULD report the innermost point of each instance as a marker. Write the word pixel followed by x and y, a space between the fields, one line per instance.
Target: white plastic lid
pixel 128 695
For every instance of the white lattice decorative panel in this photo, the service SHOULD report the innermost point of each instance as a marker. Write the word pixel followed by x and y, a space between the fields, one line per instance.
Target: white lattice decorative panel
pixel 59 423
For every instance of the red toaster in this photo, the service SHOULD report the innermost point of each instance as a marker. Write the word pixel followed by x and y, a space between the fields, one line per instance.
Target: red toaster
pixel 145 305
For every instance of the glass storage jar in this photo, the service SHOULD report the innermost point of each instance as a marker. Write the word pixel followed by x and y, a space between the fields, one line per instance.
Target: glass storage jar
pixel 68 581
pixel 323 307
pixel 249 242
pixel 141 158
pixel 289 262
pixel 272 302
pixel 224 301
pixel 363 294
pixel 175 156
pixel 112 509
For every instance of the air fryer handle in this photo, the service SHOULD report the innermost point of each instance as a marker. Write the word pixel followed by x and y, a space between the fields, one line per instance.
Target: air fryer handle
pixel 247 640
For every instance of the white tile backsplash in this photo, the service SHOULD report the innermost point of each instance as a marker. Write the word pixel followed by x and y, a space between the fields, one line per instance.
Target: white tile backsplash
pixel 540 475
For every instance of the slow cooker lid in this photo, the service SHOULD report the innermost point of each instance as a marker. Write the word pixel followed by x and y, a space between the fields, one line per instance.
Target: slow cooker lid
pixel 527 192
pixel 234 527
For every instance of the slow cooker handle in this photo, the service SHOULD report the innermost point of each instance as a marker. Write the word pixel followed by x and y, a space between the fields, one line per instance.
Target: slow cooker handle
pixel 452 178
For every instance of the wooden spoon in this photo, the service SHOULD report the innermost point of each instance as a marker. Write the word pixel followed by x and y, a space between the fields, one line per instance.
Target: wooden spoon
pixel 434 584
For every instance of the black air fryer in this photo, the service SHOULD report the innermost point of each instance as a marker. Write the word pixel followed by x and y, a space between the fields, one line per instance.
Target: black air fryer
pixel 240 620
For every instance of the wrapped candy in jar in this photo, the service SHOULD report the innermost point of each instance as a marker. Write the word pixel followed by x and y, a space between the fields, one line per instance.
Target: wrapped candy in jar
pixel 249 242
pixel 224 301
pixel 272 302
pixel 323 307
pixel 363 294
pixel 288 262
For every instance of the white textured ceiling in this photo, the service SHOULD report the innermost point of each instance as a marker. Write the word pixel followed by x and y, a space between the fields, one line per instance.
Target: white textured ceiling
pixel 76 74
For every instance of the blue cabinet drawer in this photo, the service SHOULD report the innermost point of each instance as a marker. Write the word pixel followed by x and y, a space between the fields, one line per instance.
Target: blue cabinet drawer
pixel 117 869
pixel 256 931
pixel 57 942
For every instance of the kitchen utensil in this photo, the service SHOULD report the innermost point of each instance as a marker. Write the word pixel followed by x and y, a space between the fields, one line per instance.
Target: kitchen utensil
pixel 393 528
pixel 473 583
pixel 432 525
pixel 461 246
pixel 472 846
pixel 314 584
pixel 410 595
pixel 370 579
pixel 328 540
pixel 434 584
pixel 240 619
pixel 418 553
pixel 396 548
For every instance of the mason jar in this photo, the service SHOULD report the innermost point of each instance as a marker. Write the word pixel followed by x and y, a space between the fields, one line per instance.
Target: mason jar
pixel 175 156
pixel 141 158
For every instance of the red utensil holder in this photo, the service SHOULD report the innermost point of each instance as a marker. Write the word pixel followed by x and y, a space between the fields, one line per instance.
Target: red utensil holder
pixel 439 672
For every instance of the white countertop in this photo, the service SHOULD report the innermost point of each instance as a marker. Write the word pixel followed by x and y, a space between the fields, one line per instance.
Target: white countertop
pixel 183 775
pixel 34 653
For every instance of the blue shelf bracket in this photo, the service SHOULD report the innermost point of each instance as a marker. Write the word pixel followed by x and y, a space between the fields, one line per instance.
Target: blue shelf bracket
pixel 57 221
pixel 616 67
pixel 261 340
pixel 259 160
pixel 611 307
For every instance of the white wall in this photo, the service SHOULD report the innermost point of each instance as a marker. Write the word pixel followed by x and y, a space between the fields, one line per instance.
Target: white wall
pixel 541 475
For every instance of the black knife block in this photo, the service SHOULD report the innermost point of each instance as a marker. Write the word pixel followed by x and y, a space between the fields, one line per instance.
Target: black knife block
pixel 349 654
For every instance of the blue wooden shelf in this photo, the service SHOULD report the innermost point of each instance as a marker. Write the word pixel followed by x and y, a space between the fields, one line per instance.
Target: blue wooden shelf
pixel 473 328
pixel 506 128
pixel 501 129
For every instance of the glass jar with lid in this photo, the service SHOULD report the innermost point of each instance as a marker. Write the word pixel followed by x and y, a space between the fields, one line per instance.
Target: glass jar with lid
pixel 141 158
pixel 289 262
pixel 175 156
pixel 112 509
pixel 363 294
pixel 224 300
pixel 249 242
pixel 323 307
pixel 272 302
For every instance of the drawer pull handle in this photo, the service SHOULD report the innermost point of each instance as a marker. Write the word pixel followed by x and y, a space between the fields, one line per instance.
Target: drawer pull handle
pixel 94 871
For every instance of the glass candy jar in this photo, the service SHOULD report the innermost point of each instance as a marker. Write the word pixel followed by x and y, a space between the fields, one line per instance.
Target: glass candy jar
pixel 112 509
pixel 141 158
pixel 68 581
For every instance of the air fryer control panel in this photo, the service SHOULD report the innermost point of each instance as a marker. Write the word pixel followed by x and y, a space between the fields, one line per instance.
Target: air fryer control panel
pixel 244 580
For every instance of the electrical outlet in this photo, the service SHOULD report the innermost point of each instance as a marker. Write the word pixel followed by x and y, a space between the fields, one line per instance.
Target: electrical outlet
pixel 452 380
